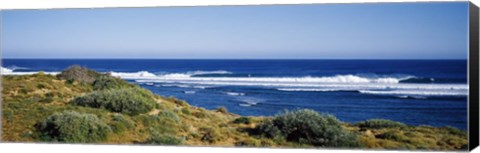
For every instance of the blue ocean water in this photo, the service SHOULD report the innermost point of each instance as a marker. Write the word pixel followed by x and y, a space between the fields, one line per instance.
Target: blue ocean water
pixel 415 92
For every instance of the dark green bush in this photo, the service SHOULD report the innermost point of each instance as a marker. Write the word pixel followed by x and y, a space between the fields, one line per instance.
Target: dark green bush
pixel 308 127
pixel 70 126
pixel 80 74
pixel 131 101
pixel 120 123
pixel 164 139
pixel 379 123
pixel 242 120
pixel 109 82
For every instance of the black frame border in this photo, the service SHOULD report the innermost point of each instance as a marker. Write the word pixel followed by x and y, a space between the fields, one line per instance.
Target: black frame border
pixel 473 81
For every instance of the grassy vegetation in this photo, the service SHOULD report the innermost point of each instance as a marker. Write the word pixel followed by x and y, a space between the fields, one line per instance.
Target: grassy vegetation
pixel 83 106
pixel 380 123
pixel 70 126
pixel 308 127
pixel 131 101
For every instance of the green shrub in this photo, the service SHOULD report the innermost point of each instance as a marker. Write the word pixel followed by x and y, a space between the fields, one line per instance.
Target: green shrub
pixel 242 120
pixel 131 101
pixel 157 124
pixel 308 127
pixel 379 123
pixel 80 74
pixel 109 82
pixel 164 139
pixel 170 115
pixel 186 111
pixel 120 123
pixel 70 126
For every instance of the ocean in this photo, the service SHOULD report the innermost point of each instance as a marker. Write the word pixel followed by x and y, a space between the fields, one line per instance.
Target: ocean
pixel 415 92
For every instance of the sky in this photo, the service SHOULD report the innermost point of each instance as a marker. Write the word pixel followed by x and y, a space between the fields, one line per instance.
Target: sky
pixel 320 31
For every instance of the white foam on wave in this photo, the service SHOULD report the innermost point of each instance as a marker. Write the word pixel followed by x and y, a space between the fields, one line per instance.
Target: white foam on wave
pixel 308 89
pixel 417 92
pixel 320 84
pixel 149 75
pixel 189 92
pixel 8 71
pixel 193 73
pixel 139 74
pixel 367 85
pixel 235 93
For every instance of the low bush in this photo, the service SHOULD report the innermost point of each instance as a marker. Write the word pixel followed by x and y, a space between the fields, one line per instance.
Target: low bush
pixel 120 123
pixel 131 101
pixel 164 139
pixel 379 123
pixel 70 126
pixel 157 124
pixel 80 74
pixel 169 115
pixel 307 127
pixel 186 111
pixel 242 120
pixel 109 82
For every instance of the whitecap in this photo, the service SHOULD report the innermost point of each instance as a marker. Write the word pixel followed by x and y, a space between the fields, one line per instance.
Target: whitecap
pixel 235 93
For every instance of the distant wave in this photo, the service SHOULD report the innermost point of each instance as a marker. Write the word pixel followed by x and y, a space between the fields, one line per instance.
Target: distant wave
pixel 6 70
pixel 11 71
pixel 249 101
pixel 149 75
pixel 384 85
pixel 413 91
pixel 418 92
pixel 140 74
pixel 235 93
pixel 189 92
pixel 387 85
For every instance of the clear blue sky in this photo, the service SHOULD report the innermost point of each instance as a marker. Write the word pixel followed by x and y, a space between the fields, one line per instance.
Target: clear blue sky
pixel 325 31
